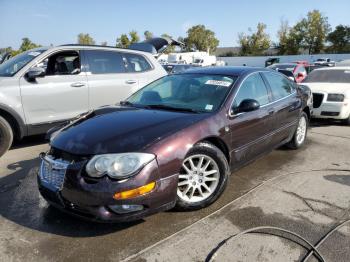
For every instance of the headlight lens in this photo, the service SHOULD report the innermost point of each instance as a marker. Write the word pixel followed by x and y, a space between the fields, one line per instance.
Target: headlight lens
pixel 117 166
pixel 335 97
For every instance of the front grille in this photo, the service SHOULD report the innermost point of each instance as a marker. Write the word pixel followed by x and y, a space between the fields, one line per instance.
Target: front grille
pixel 326 113
pixel 53 171
pixel 318 98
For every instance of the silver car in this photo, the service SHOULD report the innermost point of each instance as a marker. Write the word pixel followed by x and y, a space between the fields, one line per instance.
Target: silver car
pixel 46 86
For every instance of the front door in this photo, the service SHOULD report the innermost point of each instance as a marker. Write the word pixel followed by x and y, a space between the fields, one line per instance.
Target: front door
pixel 250 130
pixel 60 95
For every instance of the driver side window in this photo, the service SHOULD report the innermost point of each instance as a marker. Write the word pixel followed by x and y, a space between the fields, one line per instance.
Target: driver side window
pixel 252 87
pixel 62 63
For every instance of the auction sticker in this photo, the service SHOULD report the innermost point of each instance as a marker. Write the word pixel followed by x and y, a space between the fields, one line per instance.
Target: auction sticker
pixel 218 83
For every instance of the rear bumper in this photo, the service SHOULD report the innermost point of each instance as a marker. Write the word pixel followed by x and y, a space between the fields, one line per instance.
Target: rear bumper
pixel 92 199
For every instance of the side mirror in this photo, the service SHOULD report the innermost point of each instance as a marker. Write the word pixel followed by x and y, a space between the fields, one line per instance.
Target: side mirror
pixel 35 72
pixel 247 105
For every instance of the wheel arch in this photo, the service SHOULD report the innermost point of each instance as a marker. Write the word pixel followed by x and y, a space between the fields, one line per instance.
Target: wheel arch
pixel 15 121
pixel 219 143
pixel 307 111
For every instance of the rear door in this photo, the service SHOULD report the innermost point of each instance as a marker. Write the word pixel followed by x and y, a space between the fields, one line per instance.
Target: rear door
pixel 108 78
pixel 286 105
pixel 250 130
pixel 60 95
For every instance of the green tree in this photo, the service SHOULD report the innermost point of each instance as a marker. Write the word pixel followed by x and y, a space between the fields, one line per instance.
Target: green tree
pixel 339 39
pixel 202 39
pixel 148 35
pixel 27 44
pixel 124 40
pixel 85 39
pixel 256 43
pixel 314 29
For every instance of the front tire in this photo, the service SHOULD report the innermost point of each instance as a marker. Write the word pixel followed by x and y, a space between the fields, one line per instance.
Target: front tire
pixel 202 178
pixel 347 121
pixel 6 136
pixel 300 133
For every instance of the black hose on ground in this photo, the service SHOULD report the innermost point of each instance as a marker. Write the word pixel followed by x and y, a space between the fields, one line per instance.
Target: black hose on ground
pixel 312 249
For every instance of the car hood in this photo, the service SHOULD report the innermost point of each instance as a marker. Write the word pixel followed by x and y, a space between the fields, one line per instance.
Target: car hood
pixel 120 129
pixel 329 87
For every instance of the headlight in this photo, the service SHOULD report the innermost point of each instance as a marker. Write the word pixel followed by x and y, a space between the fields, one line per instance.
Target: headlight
pixel 117 165
pixel 335 97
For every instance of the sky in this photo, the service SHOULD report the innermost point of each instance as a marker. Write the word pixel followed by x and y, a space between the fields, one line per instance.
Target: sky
pixel 58 22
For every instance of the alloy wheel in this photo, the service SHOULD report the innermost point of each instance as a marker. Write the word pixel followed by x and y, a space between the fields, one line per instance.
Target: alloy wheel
pixel 301 130
pixel 198 178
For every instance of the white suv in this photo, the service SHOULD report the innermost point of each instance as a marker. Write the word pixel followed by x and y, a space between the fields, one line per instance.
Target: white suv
pixel 45 86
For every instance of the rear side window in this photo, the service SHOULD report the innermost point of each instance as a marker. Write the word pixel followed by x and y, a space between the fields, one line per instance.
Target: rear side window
pixel 280 85
pixel 136 63
pixel 252 88
pixel 105 62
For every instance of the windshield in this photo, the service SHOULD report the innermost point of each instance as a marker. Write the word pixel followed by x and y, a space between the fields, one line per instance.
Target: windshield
pixel 13 65
pixel 328 76
pixel 193 92
pixel 288 67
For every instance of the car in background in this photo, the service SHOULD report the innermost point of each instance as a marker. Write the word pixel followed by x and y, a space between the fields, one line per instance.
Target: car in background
pixel 176 68
pixel 173 143
pixel 331 93
pixel 44 87
pixel 298 70
pixel 324 62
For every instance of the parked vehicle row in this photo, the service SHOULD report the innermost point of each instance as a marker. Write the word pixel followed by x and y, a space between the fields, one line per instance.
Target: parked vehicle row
pixel 173 143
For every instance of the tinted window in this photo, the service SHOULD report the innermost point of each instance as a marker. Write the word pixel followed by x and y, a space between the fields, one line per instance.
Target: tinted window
pixel 136 63
pixel 252 88
pixel 202 93
pixel 328 76
pixel 280 86
pixel 105 62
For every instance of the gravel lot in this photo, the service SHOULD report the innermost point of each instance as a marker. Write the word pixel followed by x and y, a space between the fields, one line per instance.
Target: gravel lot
pixel 305 191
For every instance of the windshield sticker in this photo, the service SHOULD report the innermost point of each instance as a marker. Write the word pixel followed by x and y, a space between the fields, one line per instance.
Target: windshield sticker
pixel 34 53
pixel 208 107
pixel 218 83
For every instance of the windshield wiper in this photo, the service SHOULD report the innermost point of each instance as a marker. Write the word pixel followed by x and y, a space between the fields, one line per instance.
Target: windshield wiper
pixel 172 108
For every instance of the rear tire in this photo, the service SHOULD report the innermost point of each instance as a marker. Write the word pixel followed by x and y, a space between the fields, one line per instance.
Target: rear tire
pixel 202 178
pixel 300 133
pixel 6 136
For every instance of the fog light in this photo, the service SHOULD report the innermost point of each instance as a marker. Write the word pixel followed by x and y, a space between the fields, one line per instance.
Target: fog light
pixel 123 209
pixel 135 192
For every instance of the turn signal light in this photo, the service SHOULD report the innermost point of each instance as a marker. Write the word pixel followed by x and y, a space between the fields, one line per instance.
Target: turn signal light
pixel 135 192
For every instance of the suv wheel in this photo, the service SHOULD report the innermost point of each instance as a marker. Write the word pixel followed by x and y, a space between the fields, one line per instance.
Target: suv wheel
pixel 347 121
pixel 299 136
pixel 202 178
pixel 6 136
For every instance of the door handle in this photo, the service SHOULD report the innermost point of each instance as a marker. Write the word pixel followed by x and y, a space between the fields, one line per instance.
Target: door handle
pixel 130 82
pixel 271 111
pixel 77 84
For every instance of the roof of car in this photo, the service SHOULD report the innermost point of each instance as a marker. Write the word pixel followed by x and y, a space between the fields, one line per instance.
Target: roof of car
pixel 224 70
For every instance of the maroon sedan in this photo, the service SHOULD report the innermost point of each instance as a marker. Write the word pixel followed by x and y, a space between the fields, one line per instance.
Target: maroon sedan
pixel 171 144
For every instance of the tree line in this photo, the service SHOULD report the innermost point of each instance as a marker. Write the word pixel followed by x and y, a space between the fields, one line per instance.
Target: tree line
pixel 311 34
